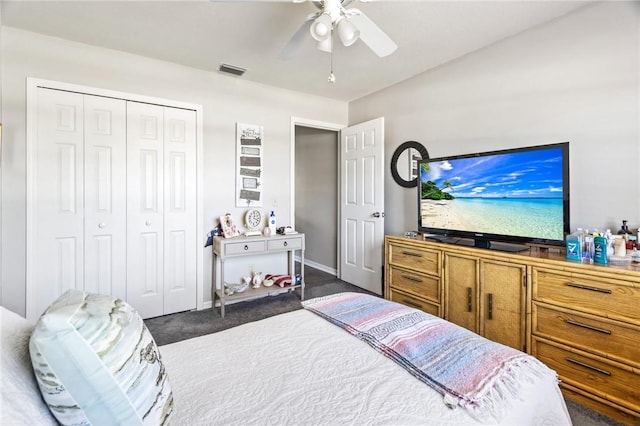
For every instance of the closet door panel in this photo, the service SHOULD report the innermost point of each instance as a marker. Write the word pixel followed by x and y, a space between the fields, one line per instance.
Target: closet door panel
pixel 105 196
pixel 58 211
pixel 145 208
pixel 180 210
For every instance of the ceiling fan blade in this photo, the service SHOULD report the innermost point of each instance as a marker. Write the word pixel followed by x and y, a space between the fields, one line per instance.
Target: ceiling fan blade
pixel 371 34
pixel 293 45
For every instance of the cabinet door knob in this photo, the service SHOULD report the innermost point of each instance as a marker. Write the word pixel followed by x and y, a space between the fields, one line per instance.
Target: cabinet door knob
pixel 147 222
pixel 102 225
pixel 246 247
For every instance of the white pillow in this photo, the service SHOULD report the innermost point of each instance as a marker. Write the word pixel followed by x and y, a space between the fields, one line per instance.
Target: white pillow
pixel 21 403
pixel 96 362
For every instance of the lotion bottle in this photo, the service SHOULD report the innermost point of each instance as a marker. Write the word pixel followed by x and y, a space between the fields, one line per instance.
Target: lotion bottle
pixel 272 222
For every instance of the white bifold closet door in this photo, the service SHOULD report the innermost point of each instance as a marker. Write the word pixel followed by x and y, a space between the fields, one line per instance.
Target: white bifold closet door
pixel 114 209
pixel 161 191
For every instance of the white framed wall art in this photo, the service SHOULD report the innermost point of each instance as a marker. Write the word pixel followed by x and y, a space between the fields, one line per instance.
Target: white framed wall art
pixel 249 146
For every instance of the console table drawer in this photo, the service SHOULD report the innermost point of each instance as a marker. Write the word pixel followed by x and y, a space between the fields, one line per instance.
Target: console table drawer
pixel 615 299
pixel 609 380
pixel 284 244
pixel 245 247
pixel 415 258
pixel 425 286
pixel 609 338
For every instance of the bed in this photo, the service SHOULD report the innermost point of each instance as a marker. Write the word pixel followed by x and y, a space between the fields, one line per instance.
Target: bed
pixel 294 368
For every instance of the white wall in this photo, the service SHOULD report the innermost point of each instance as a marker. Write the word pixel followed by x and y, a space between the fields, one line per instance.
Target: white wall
pixel 576 79
pixel 226 100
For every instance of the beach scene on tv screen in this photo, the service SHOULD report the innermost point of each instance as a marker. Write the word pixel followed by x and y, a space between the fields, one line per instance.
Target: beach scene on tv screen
pixel 517 194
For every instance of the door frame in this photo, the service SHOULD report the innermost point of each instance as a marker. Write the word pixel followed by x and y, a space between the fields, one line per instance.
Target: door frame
pixel 314 124
pixel 32 89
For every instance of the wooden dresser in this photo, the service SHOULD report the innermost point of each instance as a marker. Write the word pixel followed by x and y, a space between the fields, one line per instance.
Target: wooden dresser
pixel 581 320
pixel 585 324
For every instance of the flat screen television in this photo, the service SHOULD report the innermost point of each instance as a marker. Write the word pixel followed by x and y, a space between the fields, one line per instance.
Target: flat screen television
pixel 513 196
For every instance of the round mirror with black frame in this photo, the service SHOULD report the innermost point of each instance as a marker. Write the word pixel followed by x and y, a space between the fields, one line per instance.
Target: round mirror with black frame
pixel 404 163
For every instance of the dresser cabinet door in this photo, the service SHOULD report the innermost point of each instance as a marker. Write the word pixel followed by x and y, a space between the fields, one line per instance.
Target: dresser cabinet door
pixel 503 303
pixel 461 284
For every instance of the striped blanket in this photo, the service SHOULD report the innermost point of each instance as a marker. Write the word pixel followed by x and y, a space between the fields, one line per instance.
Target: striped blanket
pixel 468 370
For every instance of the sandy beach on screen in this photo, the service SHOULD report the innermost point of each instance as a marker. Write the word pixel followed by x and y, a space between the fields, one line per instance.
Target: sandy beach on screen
pixel 440 214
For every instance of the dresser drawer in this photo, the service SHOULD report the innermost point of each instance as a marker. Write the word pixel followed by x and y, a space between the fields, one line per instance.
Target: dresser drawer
pixel 415 258
pixel 231 249
pixel 406 299
pixel 611 298
pixel 422 285
pixel 612 339
pixel 606 379
pixel 284 244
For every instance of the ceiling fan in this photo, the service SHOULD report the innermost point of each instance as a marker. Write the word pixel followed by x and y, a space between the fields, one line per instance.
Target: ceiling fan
pixel 349 25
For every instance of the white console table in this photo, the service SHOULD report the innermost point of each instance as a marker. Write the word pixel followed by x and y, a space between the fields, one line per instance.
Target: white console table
pixel 227 248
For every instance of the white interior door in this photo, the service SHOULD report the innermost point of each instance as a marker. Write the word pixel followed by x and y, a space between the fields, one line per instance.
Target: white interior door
pixel 105 210
pixel 145 208
pixel 179 210
pixel 58 249
pixel 362 204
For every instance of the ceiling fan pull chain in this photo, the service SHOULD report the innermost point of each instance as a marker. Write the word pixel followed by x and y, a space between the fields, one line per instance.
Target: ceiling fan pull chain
pixel 332 78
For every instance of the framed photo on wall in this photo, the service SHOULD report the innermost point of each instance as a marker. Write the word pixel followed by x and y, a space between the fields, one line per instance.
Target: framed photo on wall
pixel 249 146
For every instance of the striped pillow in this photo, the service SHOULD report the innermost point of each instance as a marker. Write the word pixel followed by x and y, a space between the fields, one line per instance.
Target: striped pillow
pixel 96 363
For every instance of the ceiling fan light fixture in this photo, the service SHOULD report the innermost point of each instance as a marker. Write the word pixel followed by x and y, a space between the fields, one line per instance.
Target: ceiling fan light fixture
pixel 347 32
pixel 325 45
pixel 321 28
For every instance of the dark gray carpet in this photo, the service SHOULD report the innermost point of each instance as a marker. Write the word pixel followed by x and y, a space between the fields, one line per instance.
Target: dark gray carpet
pixel 185 325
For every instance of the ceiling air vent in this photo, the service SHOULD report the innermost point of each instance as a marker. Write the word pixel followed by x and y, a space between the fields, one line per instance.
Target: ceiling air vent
pixel 231 69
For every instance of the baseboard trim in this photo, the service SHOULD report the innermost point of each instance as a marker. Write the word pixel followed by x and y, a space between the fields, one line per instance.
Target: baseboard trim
pixel 314 265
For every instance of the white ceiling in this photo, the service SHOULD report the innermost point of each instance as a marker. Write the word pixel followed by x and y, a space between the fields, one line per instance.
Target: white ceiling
pixel 204 34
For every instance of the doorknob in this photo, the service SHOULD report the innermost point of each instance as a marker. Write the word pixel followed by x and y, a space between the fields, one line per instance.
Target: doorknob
pixel 378 214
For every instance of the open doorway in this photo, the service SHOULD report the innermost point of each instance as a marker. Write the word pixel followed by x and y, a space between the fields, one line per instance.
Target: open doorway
pixel 316 195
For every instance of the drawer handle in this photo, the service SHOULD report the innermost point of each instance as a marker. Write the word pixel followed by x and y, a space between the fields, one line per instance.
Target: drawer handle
pixel 587 326
pixel 490 306
pixel 285 244
pixel 411 278
pixel 408 253
pixel 410 303
pixel 590 367
pixel 590 288
pixel 469 299
pixel 246 247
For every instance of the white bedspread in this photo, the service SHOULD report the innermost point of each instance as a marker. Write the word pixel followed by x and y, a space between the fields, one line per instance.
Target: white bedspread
pixel 297 368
